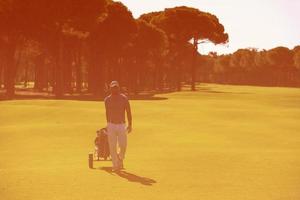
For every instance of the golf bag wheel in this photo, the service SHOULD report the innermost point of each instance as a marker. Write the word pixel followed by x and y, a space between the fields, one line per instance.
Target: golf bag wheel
pixel 91 158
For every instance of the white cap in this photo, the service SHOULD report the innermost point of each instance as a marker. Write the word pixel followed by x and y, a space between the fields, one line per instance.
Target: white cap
pixel 114 84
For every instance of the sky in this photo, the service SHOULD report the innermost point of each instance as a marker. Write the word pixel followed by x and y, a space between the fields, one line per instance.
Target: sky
pixel 262 24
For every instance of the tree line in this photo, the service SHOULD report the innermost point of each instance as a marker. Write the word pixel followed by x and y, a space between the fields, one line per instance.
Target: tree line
pixel 67 46
pixel 279 66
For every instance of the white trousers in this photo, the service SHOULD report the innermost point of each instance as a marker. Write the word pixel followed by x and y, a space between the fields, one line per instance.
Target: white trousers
pixel 117 137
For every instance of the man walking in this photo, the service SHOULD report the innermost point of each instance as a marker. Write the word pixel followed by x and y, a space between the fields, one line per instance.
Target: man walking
pixel 116 104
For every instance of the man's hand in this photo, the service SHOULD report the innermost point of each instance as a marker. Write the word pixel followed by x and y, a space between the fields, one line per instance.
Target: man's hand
pixel 129 129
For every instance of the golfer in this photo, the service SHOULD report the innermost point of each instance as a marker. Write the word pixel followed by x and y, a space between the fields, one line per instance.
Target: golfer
pixel 116 104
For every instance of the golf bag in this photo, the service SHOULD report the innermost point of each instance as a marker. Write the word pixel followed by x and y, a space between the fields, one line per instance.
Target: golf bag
pixel 101 144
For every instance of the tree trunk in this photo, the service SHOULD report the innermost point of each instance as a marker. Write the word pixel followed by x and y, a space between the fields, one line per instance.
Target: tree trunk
pixel 158 74
pixel 67 71
pixel 178 78
pixel 39 73
pixel 194 62
pixel 91 77
pixel 92 73
pixel 58 89
pixel 1 72
pixel 95 76
pixel 26 74
pixel 78 66
pixel 10 70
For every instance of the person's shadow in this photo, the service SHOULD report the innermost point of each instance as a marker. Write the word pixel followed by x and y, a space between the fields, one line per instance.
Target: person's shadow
pixel 130 177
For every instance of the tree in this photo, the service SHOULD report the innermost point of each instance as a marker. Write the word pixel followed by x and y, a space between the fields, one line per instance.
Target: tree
pixel 44 21
pixel 150 43
pixel 185 24
pixel 222 69
pixel 107 43
pixel 281 60
pixel 263 68
pixel 297 64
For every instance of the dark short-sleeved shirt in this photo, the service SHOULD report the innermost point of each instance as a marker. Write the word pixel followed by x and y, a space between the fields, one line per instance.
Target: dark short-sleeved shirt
pixel 115 106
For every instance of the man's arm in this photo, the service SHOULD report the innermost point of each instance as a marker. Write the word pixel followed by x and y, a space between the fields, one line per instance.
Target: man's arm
pixel 129 116
pixel 106 111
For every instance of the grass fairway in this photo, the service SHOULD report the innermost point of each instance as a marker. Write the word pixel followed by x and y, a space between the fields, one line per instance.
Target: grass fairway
pixel 220 143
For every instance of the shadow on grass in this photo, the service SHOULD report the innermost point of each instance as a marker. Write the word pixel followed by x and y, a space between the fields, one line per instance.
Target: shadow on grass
pixel 32 95
pixel 130 177
pixel 77 97
pixel 211 90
